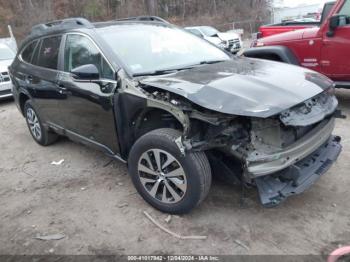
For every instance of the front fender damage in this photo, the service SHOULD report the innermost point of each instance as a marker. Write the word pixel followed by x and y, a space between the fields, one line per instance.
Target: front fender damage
pixel 202 129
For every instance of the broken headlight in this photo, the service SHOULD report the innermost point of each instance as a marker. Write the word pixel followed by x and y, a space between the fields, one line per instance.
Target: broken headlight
pixel 223 44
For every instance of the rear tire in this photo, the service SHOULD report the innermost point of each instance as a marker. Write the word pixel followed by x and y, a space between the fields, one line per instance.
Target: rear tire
pixel 174 184
pixel 39 133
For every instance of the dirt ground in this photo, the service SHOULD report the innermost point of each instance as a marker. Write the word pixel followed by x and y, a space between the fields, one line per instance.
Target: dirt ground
pixel 98 210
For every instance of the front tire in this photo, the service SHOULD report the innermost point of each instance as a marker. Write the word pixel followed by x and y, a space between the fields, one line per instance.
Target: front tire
pixel 168 180
pixel 39 133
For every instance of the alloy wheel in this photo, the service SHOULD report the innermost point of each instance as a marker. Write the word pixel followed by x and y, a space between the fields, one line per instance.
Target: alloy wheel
pixel 33 123
pixel 162 176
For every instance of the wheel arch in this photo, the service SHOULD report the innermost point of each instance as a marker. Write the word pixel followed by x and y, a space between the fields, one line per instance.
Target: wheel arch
pixel 136 116
pixel 275 53
pixel 22 99
pixel 152 118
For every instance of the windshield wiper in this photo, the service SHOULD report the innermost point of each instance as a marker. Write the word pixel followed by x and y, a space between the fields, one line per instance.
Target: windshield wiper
pixel 163 71
pixel 209 62
pixel 173 70
pixel 156 72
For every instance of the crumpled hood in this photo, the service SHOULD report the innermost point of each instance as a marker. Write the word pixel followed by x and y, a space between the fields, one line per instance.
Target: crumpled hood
pixel 242 86
pixel 214 40
pixel 228 36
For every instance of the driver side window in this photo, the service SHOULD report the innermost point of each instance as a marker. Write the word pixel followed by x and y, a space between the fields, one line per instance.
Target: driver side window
pixel 79 50
pixel 345 10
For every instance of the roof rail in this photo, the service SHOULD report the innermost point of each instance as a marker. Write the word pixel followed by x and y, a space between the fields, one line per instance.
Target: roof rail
pixel 144 18
pixel 58 25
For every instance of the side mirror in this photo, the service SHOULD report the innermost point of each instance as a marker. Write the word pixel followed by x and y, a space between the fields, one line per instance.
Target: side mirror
pixel 86 72
pixel 334 23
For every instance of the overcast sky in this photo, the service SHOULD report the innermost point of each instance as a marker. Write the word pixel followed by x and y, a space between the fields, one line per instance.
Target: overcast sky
pixel 293 3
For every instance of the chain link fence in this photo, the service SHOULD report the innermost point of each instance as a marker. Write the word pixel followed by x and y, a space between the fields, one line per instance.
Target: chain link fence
pixel 246 28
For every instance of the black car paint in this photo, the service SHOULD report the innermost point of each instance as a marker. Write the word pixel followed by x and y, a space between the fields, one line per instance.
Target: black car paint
pixel 86 113
pixel 238 86
pixel 86 109
pixel 82 111
pixel 283 53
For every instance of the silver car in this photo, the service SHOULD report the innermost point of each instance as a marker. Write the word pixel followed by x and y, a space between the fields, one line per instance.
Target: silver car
pixel 229 41
pixel 6 58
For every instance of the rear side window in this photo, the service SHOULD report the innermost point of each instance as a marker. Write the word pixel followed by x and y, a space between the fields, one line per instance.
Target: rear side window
pixel 27 53
pixel 49 50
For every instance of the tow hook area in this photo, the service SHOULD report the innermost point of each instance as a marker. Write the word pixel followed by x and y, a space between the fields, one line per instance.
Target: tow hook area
pixel 274 189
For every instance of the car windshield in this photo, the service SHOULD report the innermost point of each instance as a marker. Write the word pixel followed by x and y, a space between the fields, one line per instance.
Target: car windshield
pixel 209 31
pixel 6 53
pixel 146 49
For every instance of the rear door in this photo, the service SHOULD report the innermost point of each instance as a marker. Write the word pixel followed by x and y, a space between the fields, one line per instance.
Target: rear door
pixel 39 75
pixel 87 109
pixel 336 49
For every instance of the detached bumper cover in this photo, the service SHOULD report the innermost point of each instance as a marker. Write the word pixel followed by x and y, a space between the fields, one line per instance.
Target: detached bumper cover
pixel 275 188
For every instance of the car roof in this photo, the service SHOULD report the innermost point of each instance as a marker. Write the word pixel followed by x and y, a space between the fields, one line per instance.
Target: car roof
pixel 98 25
pixel 82 24
pixel 199 27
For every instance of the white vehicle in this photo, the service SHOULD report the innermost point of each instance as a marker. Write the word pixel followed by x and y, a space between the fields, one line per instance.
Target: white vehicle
pixel 6 58
pixel 229 41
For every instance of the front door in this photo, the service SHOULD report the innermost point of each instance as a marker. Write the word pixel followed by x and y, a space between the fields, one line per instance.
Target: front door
pixel 335 60
pixel 87 111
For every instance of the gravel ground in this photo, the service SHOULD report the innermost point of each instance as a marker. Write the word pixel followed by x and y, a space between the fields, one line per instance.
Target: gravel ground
pixel 94 204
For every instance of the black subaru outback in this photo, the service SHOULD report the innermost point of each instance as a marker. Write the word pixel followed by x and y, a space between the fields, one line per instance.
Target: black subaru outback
pixel 176 109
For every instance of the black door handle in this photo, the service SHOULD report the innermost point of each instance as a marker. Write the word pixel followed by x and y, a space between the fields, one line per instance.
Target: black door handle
pixel 29 78
pixel 62 89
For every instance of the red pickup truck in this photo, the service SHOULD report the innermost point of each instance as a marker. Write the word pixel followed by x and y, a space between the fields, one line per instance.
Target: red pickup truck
pixel 287 26
pixel 325 49
pixel 269 30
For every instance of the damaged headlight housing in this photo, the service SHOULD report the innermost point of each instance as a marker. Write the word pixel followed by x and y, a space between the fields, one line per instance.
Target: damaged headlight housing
pixel 312 110
pixel 223 44
pixel 320 80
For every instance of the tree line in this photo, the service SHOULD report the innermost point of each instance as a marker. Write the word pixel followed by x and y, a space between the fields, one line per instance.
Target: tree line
pixel 247 14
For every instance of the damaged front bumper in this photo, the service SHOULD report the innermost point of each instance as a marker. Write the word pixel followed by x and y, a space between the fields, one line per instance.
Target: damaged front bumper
pixel 297 178
pixel 262 163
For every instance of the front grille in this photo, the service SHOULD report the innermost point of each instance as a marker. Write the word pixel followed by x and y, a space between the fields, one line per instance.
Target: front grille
pixel 4 77
pixel 5 92
pixel 234 43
